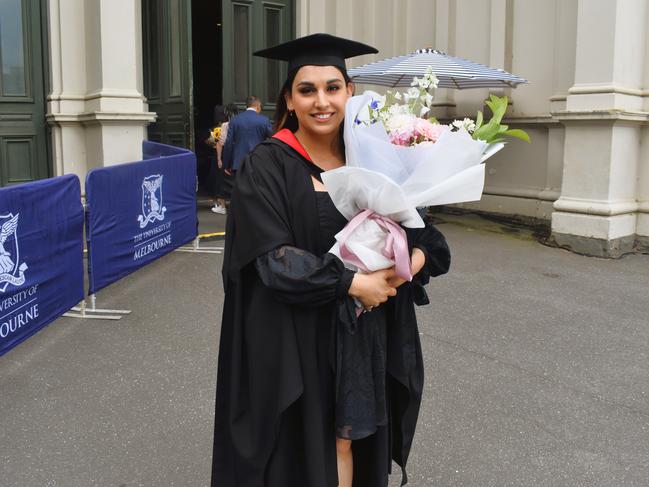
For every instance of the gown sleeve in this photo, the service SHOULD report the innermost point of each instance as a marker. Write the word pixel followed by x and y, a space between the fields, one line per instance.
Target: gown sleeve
pixel 438 258
pixel 298 277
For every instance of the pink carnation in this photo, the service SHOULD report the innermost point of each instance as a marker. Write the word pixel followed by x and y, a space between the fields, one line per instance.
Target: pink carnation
pixel 417 131
pixel 402 136
pixel 429 131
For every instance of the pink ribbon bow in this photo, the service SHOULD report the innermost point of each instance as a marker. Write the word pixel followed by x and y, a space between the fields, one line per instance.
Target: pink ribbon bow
pixel 395 248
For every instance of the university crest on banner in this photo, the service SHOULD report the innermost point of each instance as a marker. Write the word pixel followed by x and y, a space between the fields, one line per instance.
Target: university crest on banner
pixel 152 208
pixel 12 271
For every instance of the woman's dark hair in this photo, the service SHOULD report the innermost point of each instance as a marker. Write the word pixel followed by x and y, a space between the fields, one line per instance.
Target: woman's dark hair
pixel 219 115
pixel 230 111
pixel 284 120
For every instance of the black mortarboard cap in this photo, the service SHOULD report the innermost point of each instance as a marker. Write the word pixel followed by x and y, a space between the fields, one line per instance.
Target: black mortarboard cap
pixel 316 50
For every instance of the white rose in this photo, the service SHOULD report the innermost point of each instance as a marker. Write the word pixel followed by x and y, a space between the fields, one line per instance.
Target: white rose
pixel 398 121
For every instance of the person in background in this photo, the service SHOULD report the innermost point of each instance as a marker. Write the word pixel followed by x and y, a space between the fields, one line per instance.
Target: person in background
pixel 245 131
pixel 223 186
pixel 204 144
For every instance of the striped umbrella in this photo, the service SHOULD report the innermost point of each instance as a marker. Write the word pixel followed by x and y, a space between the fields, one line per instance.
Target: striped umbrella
pixel 452 72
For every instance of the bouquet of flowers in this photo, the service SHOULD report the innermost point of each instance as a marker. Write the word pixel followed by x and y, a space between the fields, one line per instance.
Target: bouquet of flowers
pixel 215 134
pixel 397 161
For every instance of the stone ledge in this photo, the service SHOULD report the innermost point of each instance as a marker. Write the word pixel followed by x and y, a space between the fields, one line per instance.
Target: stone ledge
pixel 601 115
pixel 98 117
pixel 595 207
pixel 642 244
pixel 595 247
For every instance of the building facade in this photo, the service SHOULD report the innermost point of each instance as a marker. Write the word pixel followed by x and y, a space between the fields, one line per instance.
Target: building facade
pixel 113 72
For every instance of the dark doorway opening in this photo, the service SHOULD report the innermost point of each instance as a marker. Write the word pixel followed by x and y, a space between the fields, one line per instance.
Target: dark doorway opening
pixel 207 67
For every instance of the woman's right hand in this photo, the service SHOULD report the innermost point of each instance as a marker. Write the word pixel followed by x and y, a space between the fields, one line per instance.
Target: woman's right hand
pixel 374 288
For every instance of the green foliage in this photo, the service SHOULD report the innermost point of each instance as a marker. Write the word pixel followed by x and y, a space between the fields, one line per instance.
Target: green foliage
pixel 519 134
pixel 390 99
pixel 493 131
pixel 478 120
pixel 416 105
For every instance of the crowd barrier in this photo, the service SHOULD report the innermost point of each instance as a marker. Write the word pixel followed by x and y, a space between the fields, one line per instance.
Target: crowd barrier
pixel 134 214
pixel 41 255
pixel 138 212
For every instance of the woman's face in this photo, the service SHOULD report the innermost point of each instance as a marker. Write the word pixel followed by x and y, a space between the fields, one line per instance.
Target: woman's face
pixel 318 96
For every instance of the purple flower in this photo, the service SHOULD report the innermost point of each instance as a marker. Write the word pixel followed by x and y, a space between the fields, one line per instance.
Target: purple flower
pixel 374 105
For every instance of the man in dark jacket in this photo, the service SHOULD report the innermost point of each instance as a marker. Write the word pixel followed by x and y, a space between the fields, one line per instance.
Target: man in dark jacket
pixel 245 131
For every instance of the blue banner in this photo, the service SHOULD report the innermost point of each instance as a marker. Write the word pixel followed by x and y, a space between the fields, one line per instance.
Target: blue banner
pixel 139 211
pixel 41 255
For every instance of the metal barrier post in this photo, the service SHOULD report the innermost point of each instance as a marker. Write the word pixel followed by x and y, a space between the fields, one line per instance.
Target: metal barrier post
pixel 196 247
pixel 82 311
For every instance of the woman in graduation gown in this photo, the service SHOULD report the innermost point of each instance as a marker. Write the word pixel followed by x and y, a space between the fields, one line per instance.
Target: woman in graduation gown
pixel 309 395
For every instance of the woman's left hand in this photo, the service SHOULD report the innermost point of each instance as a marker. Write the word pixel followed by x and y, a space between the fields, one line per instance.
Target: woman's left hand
pixel 417 261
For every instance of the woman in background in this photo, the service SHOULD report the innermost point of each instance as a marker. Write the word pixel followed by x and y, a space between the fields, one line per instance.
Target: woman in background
pixel 223 186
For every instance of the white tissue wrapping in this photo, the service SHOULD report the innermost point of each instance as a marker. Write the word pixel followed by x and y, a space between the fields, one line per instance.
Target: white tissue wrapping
pixel 393 180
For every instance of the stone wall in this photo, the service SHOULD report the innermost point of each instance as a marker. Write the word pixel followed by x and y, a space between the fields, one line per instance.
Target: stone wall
pixel 95 106
pixel 586 106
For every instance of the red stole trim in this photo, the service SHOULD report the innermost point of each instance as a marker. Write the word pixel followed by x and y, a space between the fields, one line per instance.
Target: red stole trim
pixel 289 138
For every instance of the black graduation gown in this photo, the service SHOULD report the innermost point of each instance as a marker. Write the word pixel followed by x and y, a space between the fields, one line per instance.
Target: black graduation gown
pixel 275 400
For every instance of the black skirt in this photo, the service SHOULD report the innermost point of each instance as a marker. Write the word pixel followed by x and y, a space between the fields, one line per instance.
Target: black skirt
pixel 221 183
pixel 359 351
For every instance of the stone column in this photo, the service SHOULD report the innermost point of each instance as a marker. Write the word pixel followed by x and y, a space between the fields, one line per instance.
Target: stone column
pixel 116 114
pixel 68 85
pixel 96 106
pixel 642 231
pixel 597 211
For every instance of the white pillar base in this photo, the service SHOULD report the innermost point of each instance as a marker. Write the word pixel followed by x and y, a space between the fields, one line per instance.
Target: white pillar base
pixel 642 240
pixel 596 235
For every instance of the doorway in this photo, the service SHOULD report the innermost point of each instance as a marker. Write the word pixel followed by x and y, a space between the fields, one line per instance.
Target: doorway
pixel 198 54
pixel 23 132
pixel 207 69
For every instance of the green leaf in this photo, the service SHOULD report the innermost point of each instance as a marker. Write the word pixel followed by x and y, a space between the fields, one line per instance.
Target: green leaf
pixel 487 132
pixel 479 120
pixel 498 106
pixel 416 106
pixel 493 131
pixel 390 98
pixel 519 134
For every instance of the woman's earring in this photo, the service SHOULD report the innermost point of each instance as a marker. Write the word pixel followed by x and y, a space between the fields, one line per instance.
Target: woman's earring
pixel 291 113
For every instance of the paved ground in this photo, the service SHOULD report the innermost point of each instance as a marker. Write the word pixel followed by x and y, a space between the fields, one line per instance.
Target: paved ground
pixel 536 364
